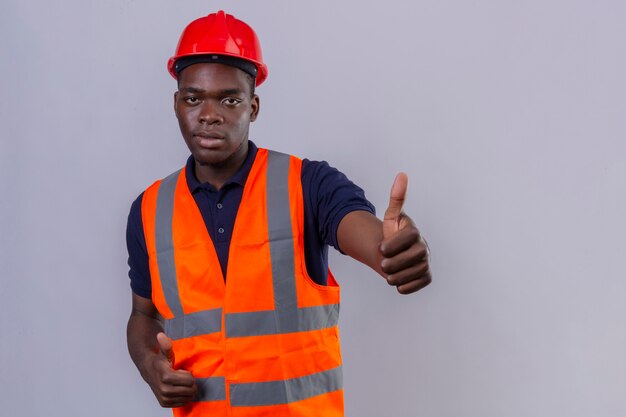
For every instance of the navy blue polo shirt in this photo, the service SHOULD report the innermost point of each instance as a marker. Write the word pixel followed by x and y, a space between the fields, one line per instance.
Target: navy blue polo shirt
pixel 328 196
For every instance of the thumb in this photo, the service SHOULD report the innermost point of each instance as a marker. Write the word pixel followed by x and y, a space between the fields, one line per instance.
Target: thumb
pixel 165 343
pixel 396 201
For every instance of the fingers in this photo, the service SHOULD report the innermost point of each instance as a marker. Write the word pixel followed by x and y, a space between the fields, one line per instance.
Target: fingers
pixel 401 241
pixel 411 279
pixel 396 201
pixel 415 256
pixel 413 273
pixel 173 390
pixel 176 377
pixel 405 261
pixel 173 395
pixel 175 402
pixel 414 286
pixel 172 387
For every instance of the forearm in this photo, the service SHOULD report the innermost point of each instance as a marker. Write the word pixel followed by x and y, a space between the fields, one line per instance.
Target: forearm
pixel 360 234
pixel 141 338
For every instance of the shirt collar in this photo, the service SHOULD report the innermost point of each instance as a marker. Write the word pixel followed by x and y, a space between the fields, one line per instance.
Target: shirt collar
pixel 238 178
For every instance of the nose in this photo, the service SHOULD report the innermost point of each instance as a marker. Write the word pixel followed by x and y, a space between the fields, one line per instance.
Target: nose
pixel 210 113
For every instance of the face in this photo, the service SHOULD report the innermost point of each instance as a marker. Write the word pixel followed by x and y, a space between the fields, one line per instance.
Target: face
pixel 214 107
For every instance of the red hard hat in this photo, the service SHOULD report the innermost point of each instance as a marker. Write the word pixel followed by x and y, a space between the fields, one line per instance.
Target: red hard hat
pixel 220 34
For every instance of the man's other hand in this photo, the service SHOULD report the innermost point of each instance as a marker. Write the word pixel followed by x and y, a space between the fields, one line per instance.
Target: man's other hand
pixel 172 387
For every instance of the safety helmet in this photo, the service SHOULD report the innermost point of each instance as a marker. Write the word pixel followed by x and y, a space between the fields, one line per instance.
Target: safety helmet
pixel 220 34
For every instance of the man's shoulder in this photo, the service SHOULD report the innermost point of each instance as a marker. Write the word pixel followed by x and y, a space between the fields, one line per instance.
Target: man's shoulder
pixel 135 206
pixel 311 168
pixel 319 171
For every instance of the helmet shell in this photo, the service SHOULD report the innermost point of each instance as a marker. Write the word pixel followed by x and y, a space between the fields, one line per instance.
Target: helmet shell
pixel 220 34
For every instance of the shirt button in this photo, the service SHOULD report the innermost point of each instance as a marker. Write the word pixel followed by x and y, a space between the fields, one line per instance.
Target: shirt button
pixel 220 230
pixel 219 205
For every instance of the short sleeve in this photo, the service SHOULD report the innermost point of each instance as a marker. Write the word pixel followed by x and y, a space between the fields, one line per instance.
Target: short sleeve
pixel 139 269
pixel 329 195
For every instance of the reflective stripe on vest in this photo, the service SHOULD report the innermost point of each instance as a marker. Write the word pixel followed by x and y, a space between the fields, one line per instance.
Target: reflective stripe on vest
pixel 287 391
pixel 182 325
pixel 211 389
pixel 271 392
pixel 286 317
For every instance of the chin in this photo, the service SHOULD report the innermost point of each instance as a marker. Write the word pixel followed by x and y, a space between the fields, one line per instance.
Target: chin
pixel 211 157
pixel 214 159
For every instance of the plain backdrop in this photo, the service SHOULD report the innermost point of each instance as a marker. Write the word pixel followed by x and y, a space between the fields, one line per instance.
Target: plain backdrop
pixel 508 116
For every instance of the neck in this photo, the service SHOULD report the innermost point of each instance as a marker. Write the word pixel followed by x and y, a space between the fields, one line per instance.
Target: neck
pixel 218 174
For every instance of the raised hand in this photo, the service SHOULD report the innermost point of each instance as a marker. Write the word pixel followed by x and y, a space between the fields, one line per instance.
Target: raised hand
pixel 405 254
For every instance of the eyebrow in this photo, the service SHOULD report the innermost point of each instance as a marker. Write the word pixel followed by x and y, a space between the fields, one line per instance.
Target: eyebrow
pixel 191 90
pixel 225 92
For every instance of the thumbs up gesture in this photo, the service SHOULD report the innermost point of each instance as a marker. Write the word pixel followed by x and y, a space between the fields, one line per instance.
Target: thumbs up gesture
pixel 405 254
pixel 172 387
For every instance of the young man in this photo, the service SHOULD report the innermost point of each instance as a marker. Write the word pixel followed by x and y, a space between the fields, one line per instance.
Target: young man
pixel 234 308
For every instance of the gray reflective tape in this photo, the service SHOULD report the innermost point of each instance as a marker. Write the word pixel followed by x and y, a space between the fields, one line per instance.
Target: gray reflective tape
pixel 210 389
pixel 194 324
pixel 287 391
pixel 165 242
pixel 182 325
pixel 255 323
pixel 318 317
pixel 261 323
pixel 281 241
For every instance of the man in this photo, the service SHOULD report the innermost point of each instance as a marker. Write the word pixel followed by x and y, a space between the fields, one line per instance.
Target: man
pixel 234 308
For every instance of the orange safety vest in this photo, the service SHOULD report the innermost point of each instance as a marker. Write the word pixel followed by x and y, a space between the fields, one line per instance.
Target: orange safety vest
pixel 264 341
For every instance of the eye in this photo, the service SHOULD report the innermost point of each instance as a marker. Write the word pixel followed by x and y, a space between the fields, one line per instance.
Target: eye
pixel 231 101
pixel 191 100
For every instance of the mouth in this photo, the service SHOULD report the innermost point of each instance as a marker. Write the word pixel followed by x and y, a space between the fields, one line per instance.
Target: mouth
pixel 209 139
pixel 208 135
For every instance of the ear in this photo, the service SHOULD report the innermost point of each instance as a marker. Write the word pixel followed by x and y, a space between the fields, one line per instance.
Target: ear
pixel 255 105
pixel 176 103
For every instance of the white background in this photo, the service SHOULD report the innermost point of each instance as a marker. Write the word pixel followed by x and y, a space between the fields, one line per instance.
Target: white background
pixel 508 116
